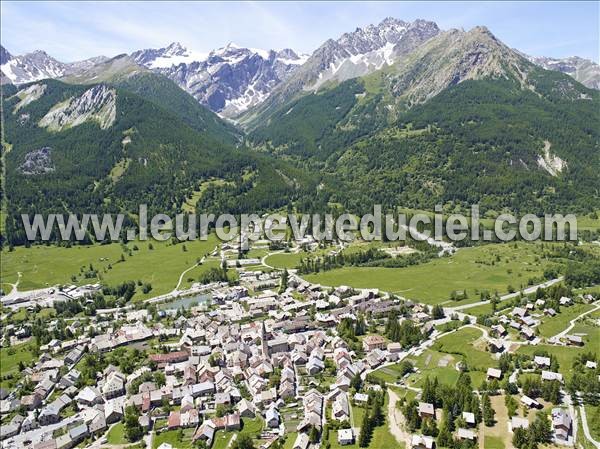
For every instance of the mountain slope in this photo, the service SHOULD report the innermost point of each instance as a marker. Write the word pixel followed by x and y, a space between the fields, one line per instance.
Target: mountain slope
pixel 414 133
pixel 122 71
pixel 352 55
pixel 583 70
pixel 228 80
pixel 99 148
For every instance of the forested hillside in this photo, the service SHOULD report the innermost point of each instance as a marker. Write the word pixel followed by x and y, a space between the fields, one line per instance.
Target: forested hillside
pixel 503 132
pixel 95 149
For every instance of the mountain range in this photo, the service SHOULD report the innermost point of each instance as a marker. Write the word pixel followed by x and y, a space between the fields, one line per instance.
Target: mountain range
pixel 398 113
pixel 232 79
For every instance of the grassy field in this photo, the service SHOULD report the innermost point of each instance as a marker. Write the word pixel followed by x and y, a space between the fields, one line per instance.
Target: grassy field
pixel 382 437
pixel 488 267
pixel 172 437
pixel 593 418
pixel 468 343
pixel 10 358
pixel 464 345
pixel 251 427
pixel 116 435
pixel 292 260
pixel 564 354
pixel 551 326
pixel 492 442
pixel 440 361
pixel 42 266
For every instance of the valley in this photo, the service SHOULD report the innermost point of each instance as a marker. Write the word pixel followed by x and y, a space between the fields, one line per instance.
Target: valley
pixel 301 342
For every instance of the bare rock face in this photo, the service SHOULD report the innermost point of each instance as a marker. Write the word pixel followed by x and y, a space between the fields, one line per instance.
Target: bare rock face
pixel 583 70
pixel 28 95
pixel 98 104
pixel 228 80
pixel 38 162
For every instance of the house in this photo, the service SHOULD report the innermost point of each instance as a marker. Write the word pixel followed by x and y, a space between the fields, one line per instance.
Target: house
pixel 494 373
pixel 272 417
pixel 550 375
pixel 78 433
pixel 561 424
pixel 89 396
pixel 31 401
pixel 496 346
pixel 246 409
pixel 114 385
pixel 469 418
pixel 574 340
pixel 341 408
pixel 361 398
pixel 529 402
pixel 174 420
pixel 189 418
pixel 426 410
pixel 206 432
pixel 517 422
pixel 541 361
pixel 466 434
pixel 371 342
pixel 314 366
pixel 422 442
pixel 527 333
pixel 113 411
pixel 591 365
pixel 499 330
pixel 8 431
pixel 301 441
pixel 564 301
pixel 172 357
pixel 345 437
pixel 519 312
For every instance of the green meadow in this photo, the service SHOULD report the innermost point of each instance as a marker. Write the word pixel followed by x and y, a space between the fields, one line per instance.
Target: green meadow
pixel 551 326
pixel 43 266
pixel 489 267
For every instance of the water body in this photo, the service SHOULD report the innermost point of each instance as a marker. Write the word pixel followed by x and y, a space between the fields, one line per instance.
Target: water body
pixel 186 302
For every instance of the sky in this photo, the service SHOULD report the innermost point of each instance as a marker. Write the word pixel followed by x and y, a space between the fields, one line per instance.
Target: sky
pixel 72 31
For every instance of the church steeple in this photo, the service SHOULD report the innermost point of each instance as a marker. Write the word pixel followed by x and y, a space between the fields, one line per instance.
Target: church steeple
pixel 263 340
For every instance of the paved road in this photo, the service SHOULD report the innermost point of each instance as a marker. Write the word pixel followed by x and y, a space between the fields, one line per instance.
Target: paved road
pixel 572 323
pixel 527 291
pixel 586 429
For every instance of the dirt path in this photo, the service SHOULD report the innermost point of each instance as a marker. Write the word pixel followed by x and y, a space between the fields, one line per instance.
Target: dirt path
pixel 397 420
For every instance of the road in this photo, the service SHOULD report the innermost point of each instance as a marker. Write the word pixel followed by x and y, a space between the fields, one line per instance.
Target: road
pixel 527 291
pixel 396 419
pixel 586 429
pixel 572 324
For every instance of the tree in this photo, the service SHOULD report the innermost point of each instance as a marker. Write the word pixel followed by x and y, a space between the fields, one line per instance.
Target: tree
pixel 488 411
pixel 541 430
pixel 437 312
pixel 519 437
pixel 313 436
pixel 284 281
pixel 366 429
pixel 377 417
pixel 356 382
pixel 444 438
pixel 243 442
pixel 133 429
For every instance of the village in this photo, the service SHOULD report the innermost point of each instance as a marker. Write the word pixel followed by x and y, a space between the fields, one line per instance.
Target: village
pixel 275 361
